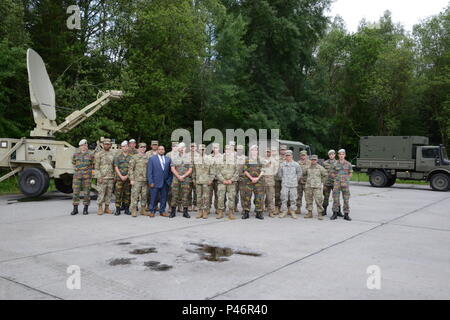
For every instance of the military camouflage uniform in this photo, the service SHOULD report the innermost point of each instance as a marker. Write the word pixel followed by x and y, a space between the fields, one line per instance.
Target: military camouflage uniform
pixel 132 151
pixel 341 173
pixel 83 164
pixel 280 160
pixel 301 186
pixel 138 174
pixel 122 188
pixel 240 160
pixel 193 192
pixel 213 186
pixel 204 175
pixel 104 170
pixel 289 174
pixel 316 175
pixel 254 168
pixel 180 189
pixel 270 169
pixel 328 185
pixel 227 169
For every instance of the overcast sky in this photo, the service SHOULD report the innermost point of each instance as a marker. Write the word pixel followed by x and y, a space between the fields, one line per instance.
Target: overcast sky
pixel 407 12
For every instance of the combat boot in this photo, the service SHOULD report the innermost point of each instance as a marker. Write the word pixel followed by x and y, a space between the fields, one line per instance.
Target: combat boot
pixel 185 213
pixel 143 212
pixel 347 217
pixel 320 216
pixel 117 212
pixel 219 213
pixel 107 211
pixel 309 215
pixel 282 214
pixel 339 214
pixel 100 210
pixel 272 214
pixel 127 210
pixel 259 215
pixel 205 214
pixel 231 216
pixel 173 213
pixel 85 210
pixel 199 214
pixel 75 210
pixel 334 216
pixel 298 211
pixel 324 211
pixel 293 215
pixel 133 212
pixel 246 215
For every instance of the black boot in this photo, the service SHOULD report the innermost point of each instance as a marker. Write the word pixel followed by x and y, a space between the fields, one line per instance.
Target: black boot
pixel 246 215
pixel 346 217
pixel 85 210
pixel 75 210
pixel 185 213
pixel 122 206
pixel 259 215
pixel 340 213
pixel 117 212
pixel 173 213
pixel 324 210
pixel 334 216
pixel 127 210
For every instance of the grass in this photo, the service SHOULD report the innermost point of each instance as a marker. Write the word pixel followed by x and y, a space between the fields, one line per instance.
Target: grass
pixel 363 177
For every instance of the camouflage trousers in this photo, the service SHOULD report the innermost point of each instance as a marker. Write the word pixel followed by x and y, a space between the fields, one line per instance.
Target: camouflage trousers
pixel 213 191
pixel 269 192
pixel 240 185
pixel 311 195
pixel 327 190
pixel 337 189
pixel 288 194
pixel 230 191
pixel 277 193
pixel 105 190
pixel 139 191
pixel 258 191
pixel 180 193
pixel 81 182
pixel 122 192
pixel 193 194
pixel 202 191
pixel 300 192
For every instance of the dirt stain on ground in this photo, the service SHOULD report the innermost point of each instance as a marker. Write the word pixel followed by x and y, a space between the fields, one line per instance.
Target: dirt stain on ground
pixel 157 266
pixel 123 243
pixel 218 254
pixel 120 261
pixel 144 251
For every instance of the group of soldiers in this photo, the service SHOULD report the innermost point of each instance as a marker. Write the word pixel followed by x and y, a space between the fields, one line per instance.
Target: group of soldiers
pixel 275 182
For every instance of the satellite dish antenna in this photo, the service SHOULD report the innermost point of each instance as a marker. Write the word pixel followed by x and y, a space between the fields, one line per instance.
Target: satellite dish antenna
pixel 42 93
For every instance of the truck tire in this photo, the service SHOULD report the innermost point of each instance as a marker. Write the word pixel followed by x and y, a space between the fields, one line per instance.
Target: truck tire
pixel 64 185
pixel 391 181
pixel 33 182
pixel 440 182
pixel 378 179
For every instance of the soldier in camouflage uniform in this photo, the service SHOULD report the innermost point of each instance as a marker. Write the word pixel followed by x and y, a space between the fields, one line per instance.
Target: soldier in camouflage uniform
pixel 181 167
pixel 216 156
pixel 132 147
pixel 154 150
pixel 289 174
pixel 204 177
pixel 122 186
pixel 104 172
pixel 227 174
pixel 281 158
pixel 304 162
pixel 193 194
pixel 170 154
pixel 138 179
pixel 270 169
pixel 342 173
pixel 253 184
pixel 83 162
pixel 240 160
pixel 328 186
pixel 316 176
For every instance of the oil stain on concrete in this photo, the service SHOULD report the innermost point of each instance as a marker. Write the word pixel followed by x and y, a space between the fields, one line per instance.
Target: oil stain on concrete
pixel 218 254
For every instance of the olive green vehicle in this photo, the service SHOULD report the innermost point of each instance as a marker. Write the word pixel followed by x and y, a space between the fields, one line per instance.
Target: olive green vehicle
pixel 41 157
pixel 385 159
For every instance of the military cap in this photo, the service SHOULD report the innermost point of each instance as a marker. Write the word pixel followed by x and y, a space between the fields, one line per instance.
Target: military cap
pixel 283 147
pixel 132 141
pixel 331 151
pixel 193 144
pixel 202 146
pixel 142 144
pixel 232 143
pixel 174 143
pixel 228 146
pixel 215 145
pixel 314 157
pixel 181 145
pixel 253 147
pixel 304 152
pixel 106 141
pixel 341 151
pixel 289 152
pixel 240 147
pixel 82 142
pixel 124 143
pixel 155 142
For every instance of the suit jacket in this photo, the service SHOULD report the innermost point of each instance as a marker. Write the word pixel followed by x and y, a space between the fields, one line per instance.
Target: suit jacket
pixel 155 173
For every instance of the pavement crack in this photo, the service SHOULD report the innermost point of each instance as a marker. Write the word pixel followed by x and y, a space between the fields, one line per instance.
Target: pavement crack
pixel 31 288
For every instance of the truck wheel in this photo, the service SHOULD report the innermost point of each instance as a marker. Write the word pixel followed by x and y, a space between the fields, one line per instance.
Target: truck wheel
pixel 391 181
pixel 378 179
pixel 64 185
pixel 33 182
pixel 440 182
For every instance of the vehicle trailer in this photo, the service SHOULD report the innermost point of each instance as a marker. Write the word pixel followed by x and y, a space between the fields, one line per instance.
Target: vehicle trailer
pixel 386 158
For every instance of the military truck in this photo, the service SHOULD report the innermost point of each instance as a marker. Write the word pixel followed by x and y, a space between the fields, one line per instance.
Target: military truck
pixel 41 157
pixel 386 158
pixel 296 147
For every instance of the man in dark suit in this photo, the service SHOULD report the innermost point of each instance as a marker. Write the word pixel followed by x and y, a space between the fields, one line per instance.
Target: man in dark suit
pixel 159 178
